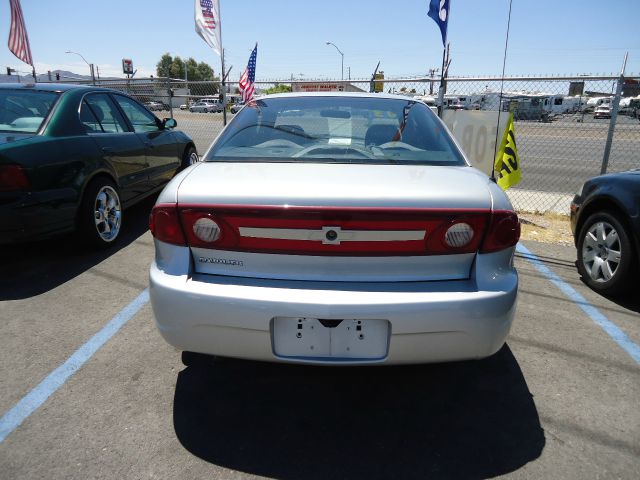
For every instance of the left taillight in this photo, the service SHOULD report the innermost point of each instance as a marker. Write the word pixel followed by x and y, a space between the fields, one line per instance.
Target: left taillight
pixel 504 231
pixel 164 223
pixel 13 178
pixel 205 229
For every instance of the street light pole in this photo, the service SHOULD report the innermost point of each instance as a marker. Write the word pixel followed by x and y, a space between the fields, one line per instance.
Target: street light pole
pixel 93 76
pixel 342 64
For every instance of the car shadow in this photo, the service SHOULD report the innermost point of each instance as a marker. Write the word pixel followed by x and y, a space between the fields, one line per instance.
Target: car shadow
pixel 32 268
pixel 628 300
pixel 457 420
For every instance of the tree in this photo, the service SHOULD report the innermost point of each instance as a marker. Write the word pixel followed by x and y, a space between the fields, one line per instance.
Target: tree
pixel 177 68
pixel 205 72
pixel 278 88
pixel 173 67
pixel 163 67
pixel 192 69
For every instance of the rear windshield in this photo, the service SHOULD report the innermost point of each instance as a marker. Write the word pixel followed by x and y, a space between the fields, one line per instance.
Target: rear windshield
pixel 336 130
pixel 24 111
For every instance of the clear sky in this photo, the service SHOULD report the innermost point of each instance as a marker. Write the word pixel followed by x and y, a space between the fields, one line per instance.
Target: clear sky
pixel 547 36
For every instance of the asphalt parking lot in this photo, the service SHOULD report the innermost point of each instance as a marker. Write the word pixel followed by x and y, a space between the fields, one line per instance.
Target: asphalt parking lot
pixel 560 400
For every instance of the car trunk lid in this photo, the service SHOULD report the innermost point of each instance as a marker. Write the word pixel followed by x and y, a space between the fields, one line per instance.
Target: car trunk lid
pixel 333 222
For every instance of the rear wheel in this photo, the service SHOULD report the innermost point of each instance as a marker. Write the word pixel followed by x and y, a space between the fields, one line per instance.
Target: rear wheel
pixel 605 254
pixel 100 214
pixel 189 158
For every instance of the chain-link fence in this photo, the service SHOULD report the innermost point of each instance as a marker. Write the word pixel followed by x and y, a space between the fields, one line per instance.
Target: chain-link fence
pixel 562 123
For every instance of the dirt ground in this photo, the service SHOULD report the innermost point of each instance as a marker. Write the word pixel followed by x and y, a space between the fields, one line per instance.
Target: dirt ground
pixel 548 228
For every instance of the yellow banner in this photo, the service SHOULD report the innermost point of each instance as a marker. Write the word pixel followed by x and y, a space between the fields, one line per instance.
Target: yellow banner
pixel 507 163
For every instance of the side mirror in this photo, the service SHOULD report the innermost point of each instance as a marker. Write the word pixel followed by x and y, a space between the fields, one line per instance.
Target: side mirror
pixel 169 123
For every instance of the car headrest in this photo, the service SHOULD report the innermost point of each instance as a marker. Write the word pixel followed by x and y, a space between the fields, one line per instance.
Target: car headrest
pixel 380 134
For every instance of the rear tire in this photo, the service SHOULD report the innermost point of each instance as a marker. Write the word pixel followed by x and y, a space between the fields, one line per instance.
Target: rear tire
pixel 606 255
pixel 100 213
pixel 189 158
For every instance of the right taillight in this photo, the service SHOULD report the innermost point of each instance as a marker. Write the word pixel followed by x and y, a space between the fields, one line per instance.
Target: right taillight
pixel 503 232
pixel 164 224
pixel 13 178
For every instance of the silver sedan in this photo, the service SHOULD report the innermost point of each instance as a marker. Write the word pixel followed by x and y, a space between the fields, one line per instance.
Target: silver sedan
pixel 334 229
pixel 205 107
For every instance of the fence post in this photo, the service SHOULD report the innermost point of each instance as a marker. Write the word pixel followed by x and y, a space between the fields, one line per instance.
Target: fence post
pixel 614 117
pixel 170 97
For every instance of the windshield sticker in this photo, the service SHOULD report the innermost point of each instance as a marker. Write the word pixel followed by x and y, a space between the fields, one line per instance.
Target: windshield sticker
pixel 339 141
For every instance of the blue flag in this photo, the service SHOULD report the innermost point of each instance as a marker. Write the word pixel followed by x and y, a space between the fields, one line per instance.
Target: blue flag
pixel 439 11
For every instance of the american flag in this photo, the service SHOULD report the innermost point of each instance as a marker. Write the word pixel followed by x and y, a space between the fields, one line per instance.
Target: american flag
pixel 18 40
pixel 248 77
pixel 207 13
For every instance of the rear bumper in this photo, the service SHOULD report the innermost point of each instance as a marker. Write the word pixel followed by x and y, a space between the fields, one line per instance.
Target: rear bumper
pixel 429 321
pixel 36 215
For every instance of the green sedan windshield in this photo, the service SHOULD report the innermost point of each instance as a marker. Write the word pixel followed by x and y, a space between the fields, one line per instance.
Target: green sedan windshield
pixel 24 111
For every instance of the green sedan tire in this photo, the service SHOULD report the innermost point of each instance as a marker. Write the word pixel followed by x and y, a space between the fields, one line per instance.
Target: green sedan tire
pixel 189 158
pixel 100 213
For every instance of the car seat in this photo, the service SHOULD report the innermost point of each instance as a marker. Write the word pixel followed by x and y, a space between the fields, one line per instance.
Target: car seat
pixel 380 134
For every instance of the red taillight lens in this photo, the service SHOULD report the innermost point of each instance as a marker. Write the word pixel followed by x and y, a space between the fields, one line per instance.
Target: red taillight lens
pixel 222 227
pixel 13 178
pixel 504 232
pixel 460 234
pixel 164 224
pixel 357 231
pixel 204 228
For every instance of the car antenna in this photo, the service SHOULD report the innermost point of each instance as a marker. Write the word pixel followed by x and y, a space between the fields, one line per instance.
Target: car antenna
pixel 504 63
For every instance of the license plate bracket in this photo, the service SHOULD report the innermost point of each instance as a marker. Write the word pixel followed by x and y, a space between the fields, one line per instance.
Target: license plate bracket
pixel 336 339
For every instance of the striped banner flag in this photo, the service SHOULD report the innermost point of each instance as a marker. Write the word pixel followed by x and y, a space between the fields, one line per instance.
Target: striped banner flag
pixel 18 39
pixel 248 78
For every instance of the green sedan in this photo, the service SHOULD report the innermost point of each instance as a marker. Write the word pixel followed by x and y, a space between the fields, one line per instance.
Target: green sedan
pixel 73 157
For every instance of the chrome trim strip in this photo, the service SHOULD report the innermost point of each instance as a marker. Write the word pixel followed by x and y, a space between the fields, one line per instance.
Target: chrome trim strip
pixel 341 235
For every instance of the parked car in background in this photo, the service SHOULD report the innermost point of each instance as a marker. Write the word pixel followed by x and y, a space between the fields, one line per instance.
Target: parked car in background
pixel 154 106
pixel 205 107
pixel 334 229
pixel 456 106
pixel 603 111
pixel 235 108
pixel 73 157
pixel 184 106
pixel 605 220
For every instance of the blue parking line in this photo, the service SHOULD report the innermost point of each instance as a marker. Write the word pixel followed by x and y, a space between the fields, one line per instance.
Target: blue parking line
pixel 598 318
pixel 36 397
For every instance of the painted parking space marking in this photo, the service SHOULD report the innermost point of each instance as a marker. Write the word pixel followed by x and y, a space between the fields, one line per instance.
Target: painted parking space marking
pixel 14 417
pixel 592 312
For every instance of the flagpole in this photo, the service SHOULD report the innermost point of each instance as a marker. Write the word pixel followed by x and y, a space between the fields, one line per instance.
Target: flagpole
pixel 504 63
pixel 442 84
pixel 224 90
pixel 445 50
